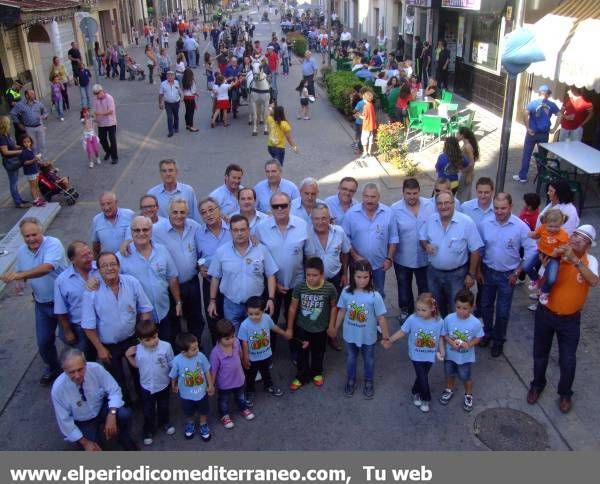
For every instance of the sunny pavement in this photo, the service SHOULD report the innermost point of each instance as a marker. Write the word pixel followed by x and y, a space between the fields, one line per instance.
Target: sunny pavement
pixel 313 418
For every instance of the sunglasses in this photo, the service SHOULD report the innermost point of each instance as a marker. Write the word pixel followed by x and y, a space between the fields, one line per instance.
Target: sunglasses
pixel 280 206
pixel 138 231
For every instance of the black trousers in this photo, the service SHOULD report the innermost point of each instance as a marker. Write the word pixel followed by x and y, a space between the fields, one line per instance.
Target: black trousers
pixel 191 307
pixel 155 404
pixel 311 84
pixel 108 139
pixel 265 373
pixel 310 360
pixel 190 106
pixel 212 322
pixel 115 367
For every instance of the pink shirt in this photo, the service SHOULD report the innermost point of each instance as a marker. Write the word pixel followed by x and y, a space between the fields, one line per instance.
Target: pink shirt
pixel 107 103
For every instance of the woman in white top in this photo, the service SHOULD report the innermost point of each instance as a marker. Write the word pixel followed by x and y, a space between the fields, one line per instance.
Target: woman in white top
pixel 180 67
pixel 222 104
pixel 190 94
pixel 560 197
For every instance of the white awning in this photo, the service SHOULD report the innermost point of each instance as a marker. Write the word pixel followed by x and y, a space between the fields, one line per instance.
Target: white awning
pixel 569 37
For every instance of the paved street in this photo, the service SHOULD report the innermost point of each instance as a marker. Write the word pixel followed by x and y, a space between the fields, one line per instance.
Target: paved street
pixel 313 418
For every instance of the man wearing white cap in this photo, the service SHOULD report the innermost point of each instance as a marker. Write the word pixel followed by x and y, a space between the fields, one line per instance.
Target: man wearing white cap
pixel 578 272
pixel 537 121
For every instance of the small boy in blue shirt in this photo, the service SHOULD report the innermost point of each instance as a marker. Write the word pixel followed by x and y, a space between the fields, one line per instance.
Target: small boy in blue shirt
pixel 191 378
pixel 461 332
pixel 255 336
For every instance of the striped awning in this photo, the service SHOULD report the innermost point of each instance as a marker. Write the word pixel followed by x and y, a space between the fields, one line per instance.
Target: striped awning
pixel 569 37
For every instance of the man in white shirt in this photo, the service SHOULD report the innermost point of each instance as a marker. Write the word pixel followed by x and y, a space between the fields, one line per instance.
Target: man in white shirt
pixel 169 98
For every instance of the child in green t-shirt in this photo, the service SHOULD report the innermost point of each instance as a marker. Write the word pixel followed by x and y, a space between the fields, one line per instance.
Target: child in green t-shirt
pixel 313 309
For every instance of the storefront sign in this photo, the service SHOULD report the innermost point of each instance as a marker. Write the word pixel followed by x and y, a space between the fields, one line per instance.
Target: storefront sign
pixel 464 4
pixel 419 3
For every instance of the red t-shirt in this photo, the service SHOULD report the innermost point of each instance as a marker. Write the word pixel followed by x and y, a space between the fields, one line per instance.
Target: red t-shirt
pixel 272 59
pixel 530 218
pixel 402 102
pixel 578 107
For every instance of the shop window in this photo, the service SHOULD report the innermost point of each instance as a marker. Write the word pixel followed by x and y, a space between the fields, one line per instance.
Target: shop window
pixel 485 40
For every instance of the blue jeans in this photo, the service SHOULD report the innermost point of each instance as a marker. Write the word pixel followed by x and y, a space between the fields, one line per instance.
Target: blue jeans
pixel 172 110
pixel 566 329
pixel 379 281
pixel 121 68
pixel 191 55
pixel 45 332
pixel 277 153
pixel 404 278
pixel 421 385
pixel 368 354
pixel 99 65
pixel 496 290
pixel 286 65
pixel 444 285
pixel 60 112
pixel 85 96
pixel 223 399
pixel 532 266
pixel 529 144
pixel 274 76
pixel 82 342
pixel 91 428
pixel 234 312
pixel 13 183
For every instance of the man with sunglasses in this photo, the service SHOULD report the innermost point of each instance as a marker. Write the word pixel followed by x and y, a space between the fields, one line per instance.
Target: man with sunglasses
pixel 562 315
pixel 151 264
pixel 340 204
pixel 285 236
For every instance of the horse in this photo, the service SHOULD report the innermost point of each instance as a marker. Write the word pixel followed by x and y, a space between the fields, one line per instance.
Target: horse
pixel 259 88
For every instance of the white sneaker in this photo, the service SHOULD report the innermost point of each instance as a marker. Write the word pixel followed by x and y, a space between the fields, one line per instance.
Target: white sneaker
pixel 148 441
pixel 519 179
pixel 169 429
pixel 468 404
pixel 417 400
pixel 98 162
pixel 424 407
pixel 534 296
pixel 533 285
pixel 544 297
pixel 532 307
pixel 62 119
pixel 91 164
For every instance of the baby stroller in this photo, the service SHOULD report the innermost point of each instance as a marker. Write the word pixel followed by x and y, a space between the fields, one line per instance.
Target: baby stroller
pixel 135 70
pixel 51 183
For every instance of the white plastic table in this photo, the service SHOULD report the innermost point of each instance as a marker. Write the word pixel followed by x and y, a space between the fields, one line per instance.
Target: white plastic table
pixel 579 155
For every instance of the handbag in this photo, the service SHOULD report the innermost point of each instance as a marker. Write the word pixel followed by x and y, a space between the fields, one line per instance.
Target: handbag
pixel 11 163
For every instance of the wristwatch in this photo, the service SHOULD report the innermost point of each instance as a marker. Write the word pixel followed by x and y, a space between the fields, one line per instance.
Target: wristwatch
pixel 578 264
pixel 113 411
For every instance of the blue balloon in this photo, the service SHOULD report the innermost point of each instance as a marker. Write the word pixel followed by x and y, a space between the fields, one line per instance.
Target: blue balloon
pixel 520 50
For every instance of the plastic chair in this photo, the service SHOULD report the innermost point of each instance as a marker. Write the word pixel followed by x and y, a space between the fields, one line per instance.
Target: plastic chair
pixel 462 121
pixel 446 97
pixel 415 113
pixel 432 125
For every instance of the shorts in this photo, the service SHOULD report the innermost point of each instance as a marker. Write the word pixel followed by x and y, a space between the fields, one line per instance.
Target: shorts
pixel 33 177
pixel 304 101
pixel 223 104
pixel 190 407
pixel 453 369
pixel 366 137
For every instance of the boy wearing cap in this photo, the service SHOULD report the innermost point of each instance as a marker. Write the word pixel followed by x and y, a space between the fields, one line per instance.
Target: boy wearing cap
pixel 562 315
pixel 537 121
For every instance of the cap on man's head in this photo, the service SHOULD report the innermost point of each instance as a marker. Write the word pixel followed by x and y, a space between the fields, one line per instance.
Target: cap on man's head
pixel 170 72
pixel 587 231
pixel 270 47
pixel 544 89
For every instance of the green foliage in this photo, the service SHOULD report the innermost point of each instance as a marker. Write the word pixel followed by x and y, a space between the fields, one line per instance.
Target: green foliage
pixel 299 43
pixel 392 150
pixel 340 87
pixel 325 72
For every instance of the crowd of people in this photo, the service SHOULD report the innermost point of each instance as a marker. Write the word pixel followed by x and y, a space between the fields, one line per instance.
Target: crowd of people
pixel 251 264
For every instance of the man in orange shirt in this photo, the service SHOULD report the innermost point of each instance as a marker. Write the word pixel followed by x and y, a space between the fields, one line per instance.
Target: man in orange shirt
pixel 562 315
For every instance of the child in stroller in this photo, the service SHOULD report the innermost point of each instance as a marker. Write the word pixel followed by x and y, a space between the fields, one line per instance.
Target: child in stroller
pixel 134 69
pixel 51 183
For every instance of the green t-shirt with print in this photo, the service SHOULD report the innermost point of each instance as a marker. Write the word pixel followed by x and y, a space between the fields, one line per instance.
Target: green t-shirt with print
pixel 314 306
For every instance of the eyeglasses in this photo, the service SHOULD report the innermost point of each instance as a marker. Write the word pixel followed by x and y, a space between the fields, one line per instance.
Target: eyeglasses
pixel 110 265
pixel 147 207
pixel 142 230
pixel 178 212
pixel 280 206
pixel 208 211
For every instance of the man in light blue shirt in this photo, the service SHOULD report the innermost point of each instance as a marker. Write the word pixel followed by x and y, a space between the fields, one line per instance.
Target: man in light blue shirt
pixel 170 188
pixel 109 313
pixel 285 236
pixel 410 214
pixel 69 288
pixel 151 264
pixel 39 261
pixel 85 399
pixel 179 234
pixel 213 234
pixel 452 243
pixel 339 204
pixel 110 228
pixel 190 46
pixel 503 234
pixel 273 184
pixel 303 205
pixel 149 208
pixel 227 194
pixel 238 271
pixel 247 201
pixel 309 69
pixel 169 99
pixel 373 234
pixel 478 209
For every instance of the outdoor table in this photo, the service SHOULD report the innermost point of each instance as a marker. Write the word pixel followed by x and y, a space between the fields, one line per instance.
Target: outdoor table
pixel 579 155
pixel 446 111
